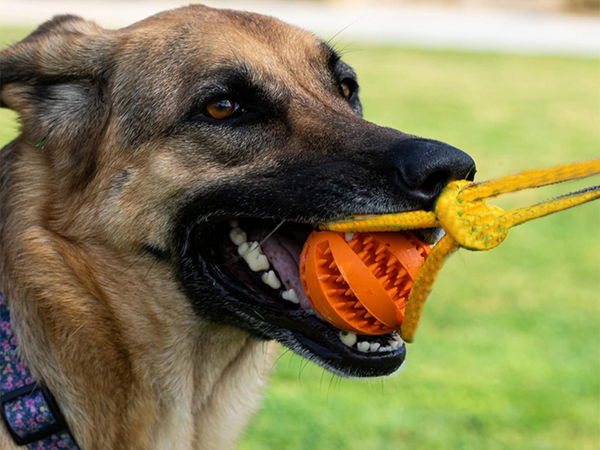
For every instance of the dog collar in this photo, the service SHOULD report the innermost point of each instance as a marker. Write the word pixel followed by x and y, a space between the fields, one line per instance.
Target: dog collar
pixel 29 410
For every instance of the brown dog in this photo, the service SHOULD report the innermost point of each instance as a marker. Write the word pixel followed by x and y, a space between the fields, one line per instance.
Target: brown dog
pixel 150 158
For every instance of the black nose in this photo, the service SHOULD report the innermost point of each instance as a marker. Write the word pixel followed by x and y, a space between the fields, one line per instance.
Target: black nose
pixel 424 167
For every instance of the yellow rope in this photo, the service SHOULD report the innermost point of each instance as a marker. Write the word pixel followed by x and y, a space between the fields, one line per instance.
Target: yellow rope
pixel 469 223
pixel 423 284
pixel 385 222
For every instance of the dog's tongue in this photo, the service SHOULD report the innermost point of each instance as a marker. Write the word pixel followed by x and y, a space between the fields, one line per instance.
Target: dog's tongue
pixel 284 255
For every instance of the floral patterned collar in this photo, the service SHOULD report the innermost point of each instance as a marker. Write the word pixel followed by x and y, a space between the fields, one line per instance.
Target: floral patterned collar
pixel 29 411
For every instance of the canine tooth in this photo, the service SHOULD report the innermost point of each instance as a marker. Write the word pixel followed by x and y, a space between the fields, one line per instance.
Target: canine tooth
pixel 374 346
pixel 238 236
pixel 363 346
pixel 348 338
pixel 290 295
pixel 398 338
pixel 394 344
pixel 271 280
pixel 253 256
pixel 234 224
pixel 348 236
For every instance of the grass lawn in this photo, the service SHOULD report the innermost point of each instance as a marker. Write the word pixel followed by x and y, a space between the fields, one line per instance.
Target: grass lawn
pixel 508 352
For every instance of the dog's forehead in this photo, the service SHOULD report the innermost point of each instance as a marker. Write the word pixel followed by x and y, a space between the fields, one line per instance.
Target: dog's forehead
pixel 167 65
pixel 202 39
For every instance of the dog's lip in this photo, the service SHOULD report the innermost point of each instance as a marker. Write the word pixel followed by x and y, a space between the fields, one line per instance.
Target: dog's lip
pixel 300 330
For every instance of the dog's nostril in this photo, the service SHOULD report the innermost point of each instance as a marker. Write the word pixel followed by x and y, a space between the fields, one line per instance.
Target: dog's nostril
pixel 435 182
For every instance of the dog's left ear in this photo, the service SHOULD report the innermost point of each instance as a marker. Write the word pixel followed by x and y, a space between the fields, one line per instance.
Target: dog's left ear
pixel 56 80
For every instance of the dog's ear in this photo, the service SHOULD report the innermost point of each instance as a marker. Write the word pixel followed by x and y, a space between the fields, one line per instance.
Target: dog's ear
pixel 56 80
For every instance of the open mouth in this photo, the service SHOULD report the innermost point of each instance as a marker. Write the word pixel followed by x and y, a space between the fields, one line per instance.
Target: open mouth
pixel 253 264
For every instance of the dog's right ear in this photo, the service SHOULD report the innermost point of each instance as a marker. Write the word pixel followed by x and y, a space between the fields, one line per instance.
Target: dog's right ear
pixel 56 80
pixel 61 48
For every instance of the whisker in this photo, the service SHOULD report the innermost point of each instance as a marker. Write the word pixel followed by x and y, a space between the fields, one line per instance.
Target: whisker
pixel 287 350
pixel 130 266
pixel 272 232
pixel 144 279
pixel 236 259
pixel 333 376
pixel 328 42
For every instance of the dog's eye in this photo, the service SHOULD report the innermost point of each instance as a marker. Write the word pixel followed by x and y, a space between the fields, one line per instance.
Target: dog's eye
pixel 345 89
pixel 221 108
pixel 348 88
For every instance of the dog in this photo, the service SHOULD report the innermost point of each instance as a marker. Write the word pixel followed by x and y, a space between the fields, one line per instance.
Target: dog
pixel 150 160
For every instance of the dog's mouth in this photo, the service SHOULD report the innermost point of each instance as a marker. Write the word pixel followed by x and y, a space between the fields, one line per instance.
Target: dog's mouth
pixel 254 266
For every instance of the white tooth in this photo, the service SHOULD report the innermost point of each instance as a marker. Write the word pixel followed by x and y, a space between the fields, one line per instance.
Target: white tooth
pixel 253 256
pixel 271 280
pixel 234 224
pixel 363 347
pixel 388 348
pixel 260 263
pixel 243 248
pixel 398 338
pixel 382 349
pixel 238 236
pixel 374 346
pixel 348 338
pixel 291 296
pixel 394 344
pixel 348 236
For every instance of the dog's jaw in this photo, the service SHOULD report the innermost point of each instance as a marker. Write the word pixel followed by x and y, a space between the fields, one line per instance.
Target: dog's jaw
pixel 243 296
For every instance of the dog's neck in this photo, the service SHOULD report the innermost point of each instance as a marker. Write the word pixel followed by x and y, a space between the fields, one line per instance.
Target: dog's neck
pixel 118 344
pixel 167 391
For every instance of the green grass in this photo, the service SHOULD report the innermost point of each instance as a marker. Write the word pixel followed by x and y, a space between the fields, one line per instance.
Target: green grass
pixel 508 352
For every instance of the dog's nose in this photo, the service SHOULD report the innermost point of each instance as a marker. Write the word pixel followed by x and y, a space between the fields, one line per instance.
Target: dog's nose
pixel 424 167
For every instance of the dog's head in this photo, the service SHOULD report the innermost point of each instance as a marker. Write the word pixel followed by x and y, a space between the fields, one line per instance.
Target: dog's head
pixel 193 134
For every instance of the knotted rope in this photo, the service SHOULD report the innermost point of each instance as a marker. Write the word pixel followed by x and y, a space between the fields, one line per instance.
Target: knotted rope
pixel 469 222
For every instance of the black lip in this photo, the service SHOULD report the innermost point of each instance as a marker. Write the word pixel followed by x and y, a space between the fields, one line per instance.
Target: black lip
pixel 245 305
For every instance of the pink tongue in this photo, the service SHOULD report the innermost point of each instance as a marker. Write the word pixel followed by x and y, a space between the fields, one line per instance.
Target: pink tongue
pixel 284 255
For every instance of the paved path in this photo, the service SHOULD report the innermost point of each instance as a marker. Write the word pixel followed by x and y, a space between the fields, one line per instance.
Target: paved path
pixel 433 27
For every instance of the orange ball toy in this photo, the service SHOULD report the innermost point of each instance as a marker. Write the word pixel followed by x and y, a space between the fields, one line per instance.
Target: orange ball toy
pixel 361 286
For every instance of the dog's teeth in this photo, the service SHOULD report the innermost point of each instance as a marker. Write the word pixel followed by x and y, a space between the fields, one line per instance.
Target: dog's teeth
pixel 382 349
pixel 238 236
pixel 251 252
pixel 363 346
pixel 291 296
pixel 398 338
pixel 374 346
pixel 348 236
pixel 394 344
pixel 348 338
pixel 234 224
pixel 271 280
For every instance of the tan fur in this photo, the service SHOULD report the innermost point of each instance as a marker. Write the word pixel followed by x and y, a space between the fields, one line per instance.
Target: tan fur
pixel 126 304
pixel 106 328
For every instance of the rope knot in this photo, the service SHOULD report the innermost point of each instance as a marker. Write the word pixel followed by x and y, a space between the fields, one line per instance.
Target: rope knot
pixel 469 221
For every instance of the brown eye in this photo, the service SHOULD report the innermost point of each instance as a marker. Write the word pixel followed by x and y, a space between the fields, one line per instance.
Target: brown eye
pixel 221 108
pixel 346 91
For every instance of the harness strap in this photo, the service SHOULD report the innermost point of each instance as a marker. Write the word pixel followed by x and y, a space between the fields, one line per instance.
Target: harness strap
pixel 29 410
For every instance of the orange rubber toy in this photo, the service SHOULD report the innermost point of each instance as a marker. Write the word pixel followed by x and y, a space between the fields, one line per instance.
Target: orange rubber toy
pixel 362 285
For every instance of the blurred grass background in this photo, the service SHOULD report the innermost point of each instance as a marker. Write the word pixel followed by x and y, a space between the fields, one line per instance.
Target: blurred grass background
pixel 508 352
